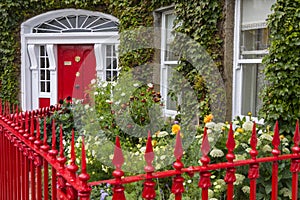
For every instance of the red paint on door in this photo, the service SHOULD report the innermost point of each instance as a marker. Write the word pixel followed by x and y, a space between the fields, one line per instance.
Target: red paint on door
pixel 76 69
pixel 44 102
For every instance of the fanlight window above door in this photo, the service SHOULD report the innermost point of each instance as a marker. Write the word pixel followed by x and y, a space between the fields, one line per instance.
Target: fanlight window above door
pixel 77 23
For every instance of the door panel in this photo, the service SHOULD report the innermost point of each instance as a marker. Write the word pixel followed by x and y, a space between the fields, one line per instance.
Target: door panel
pixel 76 69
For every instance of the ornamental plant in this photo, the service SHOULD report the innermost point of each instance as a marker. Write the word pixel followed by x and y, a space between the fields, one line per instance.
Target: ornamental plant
pixel 282 93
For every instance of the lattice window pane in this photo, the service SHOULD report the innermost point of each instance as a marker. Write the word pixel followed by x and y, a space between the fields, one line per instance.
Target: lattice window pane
pixel 76 23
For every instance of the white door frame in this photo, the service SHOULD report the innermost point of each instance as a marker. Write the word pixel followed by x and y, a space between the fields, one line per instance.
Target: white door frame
pixel 30 43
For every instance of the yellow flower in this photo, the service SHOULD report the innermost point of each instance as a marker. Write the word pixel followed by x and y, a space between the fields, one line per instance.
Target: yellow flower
pixel 154 142
pixel 281 137
pixel 175 128
pixel 249 113
pixel 208 118
pixel 240 130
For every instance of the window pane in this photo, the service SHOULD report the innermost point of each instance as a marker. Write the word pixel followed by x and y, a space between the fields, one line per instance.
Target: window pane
pixel 42 86
pixel 48 75
pixel 115 74
pixel 115 63
pixel 252 84
pixel 169 38
pixel 108 76
pixel 170 103
pixel 108 64
pixel 114 50
pixel 108 50
pixel 42 74
pixel 255 11
pixel 42 62
pixel 255 39
pixel 42 50
pixel 48 86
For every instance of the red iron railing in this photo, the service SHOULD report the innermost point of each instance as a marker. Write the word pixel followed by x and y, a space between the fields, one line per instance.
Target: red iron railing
pixel 206 168
pixel 30 168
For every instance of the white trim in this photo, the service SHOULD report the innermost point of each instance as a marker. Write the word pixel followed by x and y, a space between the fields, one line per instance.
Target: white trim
pixel 31 41
pixel 236 67
pixel 32 56
pixel 52 57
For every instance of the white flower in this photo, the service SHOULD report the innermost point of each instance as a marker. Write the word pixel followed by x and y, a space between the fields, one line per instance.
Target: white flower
pixel 285 150
pixel 136 85
pixel 123 94
pixel 162 133
pixel 114 83
pixel 86 106
pixel 108 101
pixel 189 181
pixel 266 137
pixel 96 93
pixel 210 125
pixel 77 74
pixel 150 85
pixel 93 81
pixel 267 148
pixel 104 84
pixel 163 157
pixel 239 179
pixel 143 149
pixel 247 126
pixel 286 192
pixel 246 189
pixel 216 153
pixel 117 102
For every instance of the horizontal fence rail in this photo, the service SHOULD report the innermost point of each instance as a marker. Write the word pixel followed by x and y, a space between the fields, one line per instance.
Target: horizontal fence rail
pixel 30 168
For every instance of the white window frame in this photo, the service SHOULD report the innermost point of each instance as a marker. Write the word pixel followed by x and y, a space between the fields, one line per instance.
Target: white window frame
pixel 164 66
pixel 238 62
pixel 46 57
pixel 112 57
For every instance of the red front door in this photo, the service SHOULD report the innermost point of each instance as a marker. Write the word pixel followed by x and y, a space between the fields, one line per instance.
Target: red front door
pixel 76 69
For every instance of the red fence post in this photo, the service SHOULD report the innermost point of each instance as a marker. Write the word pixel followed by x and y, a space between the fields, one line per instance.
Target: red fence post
pixel 149 185
pixel 177 186
pixel 230 172
pixel 253 172
pixel 72 168
pixel 204 181
pixel 295 165
pixel 61 182
pixel 53 153
pixel 275 152
pixel 85 192
pixel 45 148
pixel 118 160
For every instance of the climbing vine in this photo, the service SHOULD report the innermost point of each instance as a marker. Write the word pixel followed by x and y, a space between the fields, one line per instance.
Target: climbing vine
pixel 281 95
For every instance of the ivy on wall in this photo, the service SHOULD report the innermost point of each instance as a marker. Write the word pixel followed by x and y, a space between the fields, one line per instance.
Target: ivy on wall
pixel 281 97
pixel 200 20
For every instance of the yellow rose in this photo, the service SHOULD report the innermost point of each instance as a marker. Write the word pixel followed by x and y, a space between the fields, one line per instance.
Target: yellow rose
pixel 175 128
pixel 208 118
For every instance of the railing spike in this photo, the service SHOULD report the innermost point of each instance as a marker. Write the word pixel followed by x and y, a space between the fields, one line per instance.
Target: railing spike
pixel 230 144
pixel 178 150
pixel 118 158
pixel 83 157
pixel 205 147
pixel 276 138
pixel 38 141
pixel 149 154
